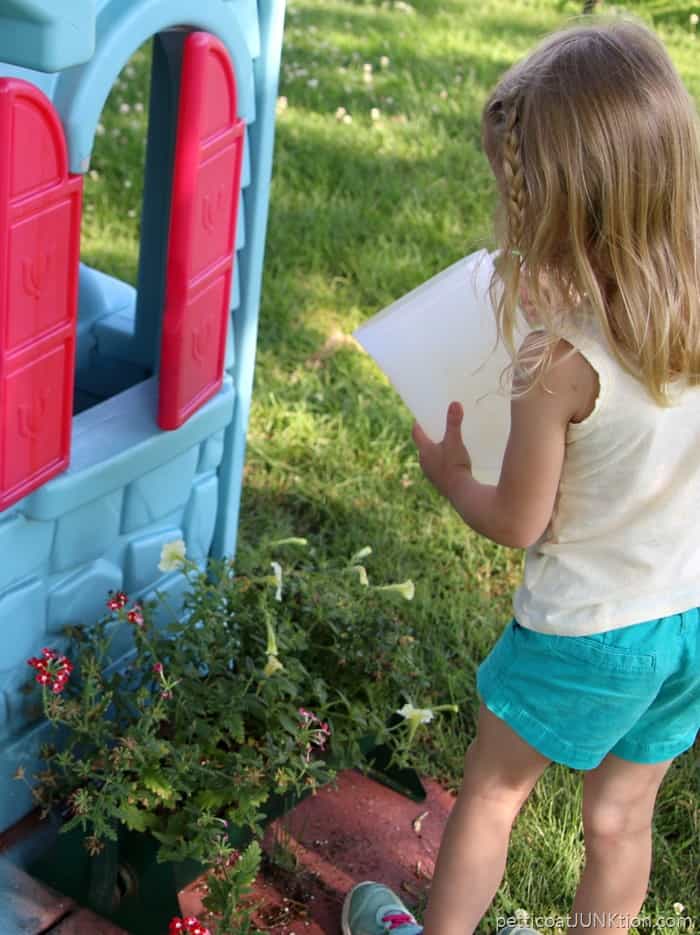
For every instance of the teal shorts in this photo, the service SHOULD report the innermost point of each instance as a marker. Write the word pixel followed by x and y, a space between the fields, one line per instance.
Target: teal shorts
pixel 633 691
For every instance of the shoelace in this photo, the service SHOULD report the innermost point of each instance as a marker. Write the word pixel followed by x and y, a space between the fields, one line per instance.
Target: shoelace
pixel 397 919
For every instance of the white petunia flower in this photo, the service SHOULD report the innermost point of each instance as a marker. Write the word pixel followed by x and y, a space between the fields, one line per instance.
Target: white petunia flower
pixel 363 553
pixel 362 574
pixel 678 907
pixel 384 61
pixel 418 715
pixel 172 555
pixel 273 665
pixel 277 570
pixel 271 649
pixel 290 540
pixel 406 589
pixel 375 113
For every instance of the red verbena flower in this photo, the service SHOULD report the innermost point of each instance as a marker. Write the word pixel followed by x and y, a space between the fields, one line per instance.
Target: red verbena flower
pixel 233 859
pixel 134 615
pixel 117 600
pixel 52 670
pixel 187 926
pixel 318 735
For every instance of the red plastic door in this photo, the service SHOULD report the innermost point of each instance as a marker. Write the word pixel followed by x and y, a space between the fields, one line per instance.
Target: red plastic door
pixel 40 210
pixel 206 190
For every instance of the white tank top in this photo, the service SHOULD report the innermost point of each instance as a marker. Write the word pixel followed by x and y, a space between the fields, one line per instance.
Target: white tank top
pixel 623 543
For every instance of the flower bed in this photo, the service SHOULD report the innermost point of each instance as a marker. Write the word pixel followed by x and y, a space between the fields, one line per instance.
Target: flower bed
pixel 252 696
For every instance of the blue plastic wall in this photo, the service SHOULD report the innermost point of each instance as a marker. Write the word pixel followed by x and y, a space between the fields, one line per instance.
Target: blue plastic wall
pixel 130 487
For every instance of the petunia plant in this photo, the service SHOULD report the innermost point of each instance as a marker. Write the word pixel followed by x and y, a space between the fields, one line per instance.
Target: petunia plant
pixel 261 687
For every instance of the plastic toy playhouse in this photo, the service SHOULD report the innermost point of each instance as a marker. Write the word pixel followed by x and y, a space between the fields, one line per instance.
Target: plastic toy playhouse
pixel 123 411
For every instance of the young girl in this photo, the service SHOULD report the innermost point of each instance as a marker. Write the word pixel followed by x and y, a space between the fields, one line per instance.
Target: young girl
pixel 595 146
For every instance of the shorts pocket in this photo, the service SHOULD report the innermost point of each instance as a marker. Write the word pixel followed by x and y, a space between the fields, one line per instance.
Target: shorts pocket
pixel 603 656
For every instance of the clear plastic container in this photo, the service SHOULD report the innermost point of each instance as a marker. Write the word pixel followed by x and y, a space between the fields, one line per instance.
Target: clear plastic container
pixel 438 344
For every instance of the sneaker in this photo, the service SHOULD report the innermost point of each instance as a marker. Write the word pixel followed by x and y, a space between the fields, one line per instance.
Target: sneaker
pixel 373 909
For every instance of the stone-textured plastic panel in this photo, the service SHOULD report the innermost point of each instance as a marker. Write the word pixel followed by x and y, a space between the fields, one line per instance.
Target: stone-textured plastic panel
pixel 142 557
pixel 200 517
pixel 211 453
pixel 25 547
pixel 159 492
pixel 22 622
pixel 79 599
pixel 83 535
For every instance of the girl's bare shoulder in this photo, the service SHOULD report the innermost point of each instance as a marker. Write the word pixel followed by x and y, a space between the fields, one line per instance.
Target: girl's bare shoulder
pixel 569 374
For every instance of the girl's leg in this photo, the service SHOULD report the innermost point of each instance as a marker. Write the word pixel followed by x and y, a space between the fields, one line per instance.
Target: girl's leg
pixel 618 805
pixel 500 772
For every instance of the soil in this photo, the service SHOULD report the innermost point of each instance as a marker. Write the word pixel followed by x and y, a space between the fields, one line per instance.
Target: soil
pixel 354 830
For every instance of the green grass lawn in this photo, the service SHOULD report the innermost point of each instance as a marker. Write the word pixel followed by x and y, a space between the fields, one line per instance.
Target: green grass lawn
pixel 379 183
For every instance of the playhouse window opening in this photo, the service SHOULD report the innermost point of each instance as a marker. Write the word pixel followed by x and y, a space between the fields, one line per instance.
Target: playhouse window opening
pixel 107 360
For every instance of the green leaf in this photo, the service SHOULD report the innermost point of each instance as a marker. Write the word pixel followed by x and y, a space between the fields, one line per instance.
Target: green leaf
pixel 165 838
pixel 287 722
pixel 155 783
pixel 215 800
pixel 135 819
pixel 248 866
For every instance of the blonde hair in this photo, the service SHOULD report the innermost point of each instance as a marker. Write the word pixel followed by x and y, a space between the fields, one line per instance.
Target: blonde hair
pixel 595 145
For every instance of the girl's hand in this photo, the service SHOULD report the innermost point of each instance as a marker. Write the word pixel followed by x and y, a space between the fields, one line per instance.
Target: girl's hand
pixel 447 463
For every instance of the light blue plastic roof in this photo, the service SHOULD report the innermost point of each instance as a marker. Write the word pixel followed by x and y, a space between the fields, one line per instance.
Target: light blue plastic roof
pixel 47 35
pixel 79 93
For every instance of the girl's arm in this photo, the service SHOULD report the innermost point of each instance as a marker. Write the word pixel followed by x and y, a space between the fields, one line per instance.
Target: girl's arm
pixel 517 510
